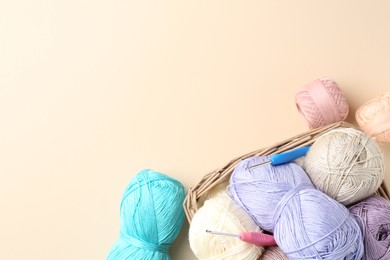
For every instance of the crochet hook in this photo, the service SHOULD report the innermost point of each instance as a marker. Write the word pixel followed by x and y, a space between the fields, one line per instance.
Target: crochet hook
pixel 256 238
pixel 285 157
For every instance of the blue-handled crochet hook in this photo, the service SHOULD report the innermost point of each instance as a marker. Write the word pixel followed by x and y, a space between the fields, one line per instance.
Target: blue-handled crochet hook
pixel 286 157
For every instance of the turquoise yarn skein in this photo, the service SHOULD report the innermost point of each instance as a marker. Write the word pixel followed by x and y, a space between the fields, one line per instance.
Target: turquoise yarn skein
pixel 151 216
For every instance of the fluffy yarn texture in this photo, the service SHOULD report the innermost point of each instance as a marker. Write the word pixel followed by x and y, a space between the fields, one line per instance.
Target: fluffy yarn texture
pixel 307 224
pixel 373 118
pixel 273 253
pixel 221 213
pixel 345 164
pixel 322 102
pixel 151 217
pixel 373 217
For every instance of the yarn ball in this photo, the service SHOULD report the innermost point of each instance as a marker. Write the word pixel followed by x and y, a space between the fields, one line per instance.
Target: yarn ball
pixel 373 118
pixel 373 217
pixel 311 225
pixel 221 213
pixel 211 193
pixel 151 216
pixel 322 102
pixel 273 253
pixel 345 164
pixel 259 190
pixel 307 224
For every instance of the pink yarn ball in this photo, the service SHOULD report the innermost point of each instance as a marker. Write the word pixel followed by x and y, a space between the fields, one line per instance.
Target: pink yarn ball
pixel 373 118
pixel 322 102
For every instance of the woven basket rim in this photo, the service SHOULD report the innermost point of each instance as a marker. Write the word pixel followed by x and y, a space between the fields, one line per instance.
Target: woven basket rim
pixel 212 179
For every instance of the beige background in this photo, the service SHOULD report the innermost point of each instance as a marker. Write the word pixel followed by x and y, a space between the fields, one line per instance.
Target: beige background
pixel 93 91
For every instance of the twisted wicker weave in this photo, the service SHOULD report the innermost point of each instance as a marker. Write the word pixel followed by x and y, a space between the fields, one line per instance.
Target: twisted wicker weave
pixel 222 174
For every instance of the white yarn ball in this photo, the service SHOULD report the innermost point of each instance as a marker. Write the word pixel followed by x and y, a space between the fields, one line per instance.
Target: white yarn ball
pixel 211 193
pixel 273 253
pixel 221 213
pixel 345 164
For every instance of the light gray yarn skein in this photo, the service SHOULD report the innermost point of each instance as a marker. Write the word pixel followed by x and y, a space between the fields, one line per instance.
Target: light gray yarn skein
pixel 345 164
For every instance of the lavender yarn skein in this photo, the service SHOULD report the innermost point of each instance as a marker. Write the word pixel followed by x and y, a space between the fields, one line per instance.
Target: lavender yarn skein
pixel 307 224
pixel 373 217
pixel 313 225
pixel 265 186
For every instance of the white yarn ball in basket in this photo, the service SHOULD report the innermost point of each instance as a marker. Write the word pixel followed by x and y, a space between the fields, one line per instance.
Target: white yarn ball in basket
pixel 221 213
pixel 211 193
pixel 273 253
pixel 345 164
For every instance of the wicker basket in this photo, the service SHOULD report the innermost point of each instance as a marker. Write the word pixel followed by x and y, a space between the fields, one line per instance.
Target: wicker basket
pixel 191 202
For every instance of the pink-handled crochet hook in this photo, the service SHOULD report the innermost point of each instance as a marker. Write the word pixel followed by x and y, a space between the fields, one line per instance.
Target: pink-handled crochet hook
pixel 256 238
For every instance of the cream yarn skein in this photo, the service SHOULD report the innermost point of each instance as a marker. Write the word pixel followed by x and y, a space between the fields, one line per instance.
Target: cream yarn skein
pixel 221 213
pixel 213 192
pixel 345 164
pixel 373 118
pixel 273 253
